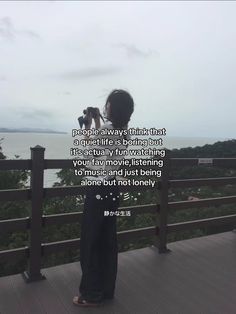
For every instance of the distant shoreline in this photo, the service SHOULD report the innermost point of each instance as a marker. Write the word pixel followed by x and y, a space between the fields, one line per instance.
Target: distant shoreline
pixel 5 130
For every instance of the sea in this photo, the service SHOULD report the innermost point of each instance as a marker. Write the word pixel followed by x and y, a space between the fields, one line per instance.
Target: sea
pixel 57 146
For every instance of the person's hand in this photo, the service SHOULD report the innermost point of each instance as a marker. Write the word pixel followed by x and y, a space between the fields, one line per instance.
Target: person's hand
pixel 89 119
pixel 97 119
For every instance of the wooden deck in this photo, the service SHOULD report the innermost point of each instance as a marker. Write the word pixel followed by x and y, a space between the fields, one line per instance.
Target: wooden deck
pixel 198 276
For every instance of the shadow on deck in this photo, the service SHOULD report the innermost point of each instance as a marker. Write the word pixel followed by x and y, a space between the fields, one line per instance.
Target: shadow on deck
pixel 198 276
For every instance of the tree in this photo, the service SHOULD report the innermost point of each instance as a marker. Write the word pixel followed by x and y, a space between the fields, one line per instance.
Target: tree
pixel 13 209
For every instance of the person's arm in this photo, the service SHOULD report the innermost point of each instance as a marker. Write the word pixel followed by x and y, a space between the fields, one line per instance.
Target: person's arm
pixel 96 120
pixel 97 126
pixel 93 137
pixel 87 126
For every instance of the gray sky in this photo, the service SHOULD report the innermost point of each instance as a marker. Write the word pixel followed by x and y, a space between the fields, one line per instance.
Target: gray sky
pixel 177 59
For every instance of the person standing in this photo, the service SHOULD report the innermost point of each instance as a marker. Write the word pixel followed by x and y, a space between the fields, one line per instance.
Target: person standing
pixel 98 241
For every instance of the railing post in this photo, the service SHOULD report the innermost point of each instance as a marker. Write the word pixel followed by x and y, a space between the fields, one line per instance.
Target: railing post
pixel 161 240
pixel 34 264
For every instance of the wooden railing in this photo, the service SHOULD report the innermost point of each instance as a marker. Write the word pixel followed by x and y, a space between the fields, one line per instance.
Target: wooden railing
pixel 229 220
pixel 37 220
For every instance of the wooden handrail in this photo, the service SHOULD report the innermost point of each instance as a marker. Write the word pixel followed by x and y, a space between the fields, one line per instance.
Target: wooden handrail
pixel 202 182
pixel 19 224
pixel 206 202
pixel 216 162
pixel 215 221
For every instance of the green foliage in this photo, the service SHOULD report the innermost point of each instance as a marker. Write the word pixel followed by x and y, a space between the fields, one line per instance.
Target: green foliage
pixel 2 156
pixel 13 179
pixel 68 178
pixel 220 149
pixel 13 209
pixel 199 172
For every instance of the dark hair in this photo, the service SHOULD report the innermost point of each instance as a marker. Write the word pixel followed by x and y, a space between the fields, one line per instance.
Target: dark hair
pixel 121 107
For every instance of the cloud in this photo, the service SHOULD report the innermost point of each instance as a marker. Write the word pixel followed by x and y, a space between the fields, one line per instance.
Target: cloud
pixel 6 28
pixel 36 114
pixel 30 34
pixel 133 51
pixel 3 78
pixel 90 72
pixel 67 93
pixel 9 32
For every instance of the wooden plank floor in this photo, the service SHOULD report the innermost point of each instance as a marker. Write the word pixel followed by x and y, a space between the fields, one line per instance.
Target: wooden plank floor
pixel 198 276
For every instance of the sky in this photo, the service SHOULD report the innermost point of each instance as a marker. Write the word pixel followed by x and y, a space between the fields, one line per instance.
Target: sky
pixel 177 60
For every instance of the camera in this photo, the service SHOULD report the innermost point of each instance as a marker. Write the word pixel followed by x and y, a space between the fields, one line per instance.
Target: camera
pixel 93 112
